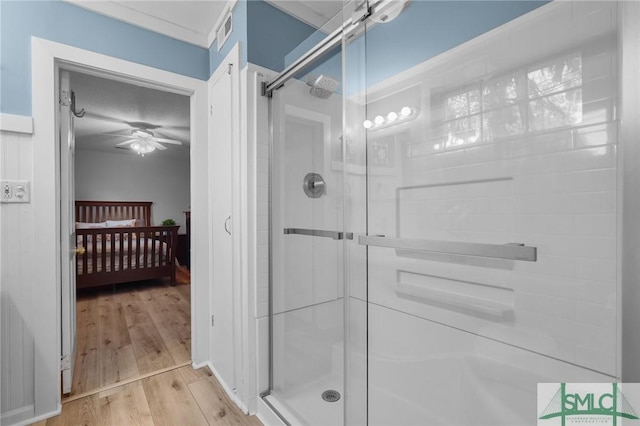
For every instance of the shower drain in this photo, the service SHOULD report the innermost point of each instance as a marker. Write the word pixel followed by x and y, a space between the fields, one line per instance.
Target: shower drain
pixel 331 395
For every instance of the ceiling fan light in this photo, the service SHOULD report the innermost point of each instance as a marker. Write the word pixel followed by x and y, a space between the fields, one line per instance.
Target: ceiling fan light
pixel 142 147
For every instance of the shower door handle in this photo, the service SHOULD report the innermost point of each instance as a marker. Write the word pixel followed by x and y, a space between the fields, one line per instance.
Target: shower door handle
pixel 336 235
pixel 511 251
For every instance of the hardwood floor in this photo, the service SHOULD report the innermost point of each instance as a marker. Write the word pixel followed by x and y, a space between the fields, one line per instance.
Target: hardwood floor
pixel 130 330
pixel 181 396
pixel 133 360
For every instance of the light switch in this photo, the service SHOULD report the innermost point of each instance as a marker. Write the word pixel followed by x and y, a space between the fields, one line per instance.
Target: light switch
pixel 15 191
pixel 6 191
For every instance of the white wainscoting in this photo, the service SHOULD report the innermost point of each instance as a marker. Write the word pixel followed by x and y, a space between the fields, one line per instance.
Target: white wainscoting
pixel 17 242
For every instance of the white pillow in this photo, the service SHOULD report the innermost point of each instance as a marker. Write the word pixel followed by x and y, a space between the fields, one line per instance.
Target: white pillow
pixel 90 225
pixel 128 223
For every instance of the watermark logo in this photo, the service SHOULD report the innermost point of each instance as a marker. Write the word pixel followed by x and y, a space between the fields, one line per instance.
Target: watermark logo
pixel 561 404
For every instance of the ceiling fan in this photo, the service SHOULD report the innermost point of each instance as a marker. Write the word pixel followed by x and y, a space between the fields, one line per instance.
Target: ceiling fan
pixel 144 141
pixel 143 137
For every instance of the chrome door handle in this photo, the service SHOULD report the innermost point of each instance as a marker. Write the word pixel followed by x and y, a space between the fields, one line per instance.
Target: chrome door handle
pixel 511 251
pixel 226 225
pixel 336 235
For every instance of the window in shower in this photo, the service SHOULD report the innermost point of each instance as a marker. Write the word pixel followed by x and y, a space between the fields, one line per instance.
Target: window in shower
pixel 532 99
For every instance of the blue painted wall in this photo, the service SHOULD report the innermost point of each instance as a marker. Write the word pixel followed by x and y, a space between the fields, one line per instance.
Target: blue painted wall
pixel 306 45
pixel 272 34
pixel 267 37
pixel 426 29
pixel 238 34
pixel 68 24
pixel 330 65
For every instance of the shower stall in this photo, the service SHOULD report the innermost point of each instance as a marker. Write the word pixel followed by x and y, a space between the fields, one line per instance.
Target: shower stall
pixel 446 212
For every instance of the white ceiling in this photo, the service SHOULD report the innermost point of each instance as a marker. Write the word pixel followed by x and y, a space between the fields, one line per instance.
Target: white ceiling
pixel 186 20
pixel 113 109
pixel 195 21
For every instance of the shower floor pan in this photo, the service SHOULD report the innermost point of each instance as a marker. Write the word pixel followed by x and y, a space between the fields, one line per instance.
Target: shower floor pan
pixel 304 405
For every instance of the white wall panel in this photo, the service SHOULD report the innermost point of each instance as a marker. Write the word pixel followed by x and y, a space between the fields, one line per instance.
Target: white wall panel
pixel 471 168
pixel 16 285
pixel 458 381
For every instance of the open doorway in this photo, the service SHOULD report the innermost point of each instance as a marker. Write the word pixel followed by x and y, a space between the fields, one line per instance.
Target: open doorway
pixel 47 59
pixel 132 206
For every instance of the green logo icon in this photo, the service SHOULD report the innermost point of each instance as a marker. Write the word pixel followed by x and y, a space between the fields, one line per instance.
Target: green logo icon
pixel 586 404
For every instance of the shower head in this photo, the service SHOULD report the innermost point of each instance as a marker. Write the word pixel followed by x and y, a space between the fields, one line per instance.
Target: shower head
pixel 323 86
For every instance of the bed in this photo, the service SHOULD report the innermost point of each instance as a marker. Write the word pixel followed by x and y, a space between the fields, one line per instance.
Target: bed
pixel 116 244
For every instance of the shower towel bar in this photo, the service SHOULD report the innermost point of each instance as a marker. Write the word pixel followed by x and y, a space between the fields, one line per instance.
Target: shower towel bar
pixel 336 235
pixel 511 251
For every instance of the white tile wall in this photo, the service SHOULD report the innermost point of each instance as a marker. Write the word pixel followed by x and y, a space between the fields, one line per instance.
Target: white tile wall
pixel 307 130
pixel 454 377
pixel 555 189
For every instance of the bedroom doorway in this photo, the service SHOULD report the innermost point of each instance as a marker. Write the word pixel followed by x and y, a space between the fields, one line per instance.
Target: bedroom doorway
pixel 47 58
pixel 133 311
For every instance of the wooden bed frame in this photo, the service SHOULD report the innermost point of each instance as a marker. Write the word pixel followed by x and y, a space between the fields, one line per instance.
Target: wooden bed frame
pixel 139 248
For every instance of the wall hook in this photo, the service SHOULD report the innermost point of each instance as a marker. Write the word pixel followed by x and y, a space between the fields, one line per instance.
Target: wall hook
pixel 80 113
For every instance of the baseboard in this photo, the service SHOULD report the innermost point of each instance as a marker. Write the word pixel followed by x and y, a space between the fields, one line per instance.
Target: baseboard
pixel 197 366
pixel 24 416
pixel 226 388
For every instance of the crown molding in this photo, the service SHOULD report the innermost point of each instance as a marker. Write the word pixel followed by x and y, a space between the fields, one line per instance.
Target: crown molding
pixel 131 16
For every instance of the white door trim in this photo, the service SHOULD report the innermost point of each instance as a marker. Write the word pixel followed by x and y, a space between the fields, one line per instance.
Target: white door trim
pixel 47 57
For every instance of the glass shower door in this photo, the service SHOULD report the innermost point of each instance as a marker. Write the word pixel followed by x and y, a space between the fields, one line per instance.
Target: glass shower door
pixel 489 180
pixel 307 237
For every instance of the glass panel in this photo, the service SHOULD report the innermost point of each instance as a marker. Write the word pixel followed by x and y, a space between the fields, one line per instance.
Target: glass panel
pixel 355 178
pixel 307 272
pixel 507 139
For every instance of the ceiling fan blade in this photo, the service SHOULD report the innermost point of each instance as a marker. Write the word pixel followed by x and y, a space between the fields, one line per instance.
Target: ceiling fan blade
pixel 118 134
pixel 179 128
pixel 178 135
pixel 126 142
pixel 157 145
pixel 96 116
pixel 142 125
pixel 171 141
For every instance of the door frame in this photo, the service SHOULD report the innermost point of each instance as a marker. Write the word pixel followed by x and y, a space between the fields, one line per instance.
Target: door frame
pixel 67 145
pixel 47 59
